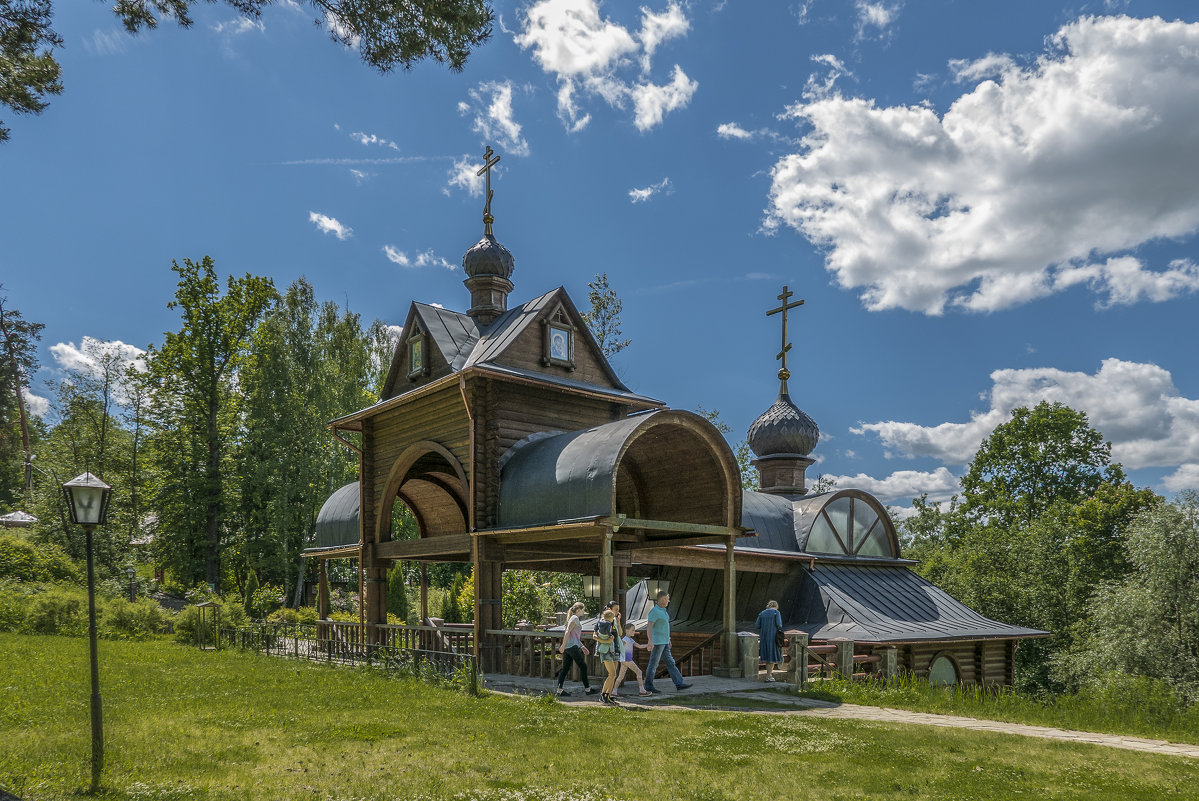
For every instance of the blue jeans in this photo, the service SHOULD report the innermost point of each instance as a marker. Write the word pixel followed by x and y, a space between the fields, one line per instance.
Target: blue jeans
pixel 661 653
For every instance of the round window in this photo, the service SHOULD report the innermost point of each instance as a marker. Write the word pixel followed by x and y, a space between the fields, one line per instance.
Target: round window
pixel 942 671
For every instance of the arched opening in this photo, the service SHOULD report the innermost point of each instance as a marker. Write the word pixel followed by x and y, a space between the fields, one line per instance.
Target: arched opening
pixel 673 472
pixel 943 670
pixel 425 490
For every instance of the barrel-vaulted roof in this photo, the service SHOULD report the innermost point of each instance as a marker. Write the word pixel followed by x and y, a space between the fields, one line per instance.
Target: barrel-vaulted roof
pixel 843 523
pixel 337 521
pixel 665 465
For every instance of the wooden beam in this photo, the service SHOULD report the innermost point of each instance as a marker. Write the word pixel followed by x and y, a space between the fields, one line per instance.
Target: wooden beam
pixel 620 521
pixel 425 547
pixel 676 542
pixel 710 558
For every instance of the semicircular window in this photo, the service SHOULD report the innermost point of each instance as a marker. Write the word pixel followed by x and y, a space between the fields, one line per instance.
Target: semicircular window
pixel 850 526
pixel 942 671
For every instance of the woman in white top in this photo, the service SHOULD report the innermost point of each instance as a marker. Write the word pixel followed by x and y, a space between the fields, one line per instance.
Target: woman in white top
pixel 573 650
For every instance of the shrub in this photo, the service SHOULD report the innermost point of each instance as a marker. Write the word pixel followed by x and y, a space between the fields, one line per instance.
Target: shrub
pixel 57 610
pixel 136 620
pixel 231 616
pixel 24 561
pixel 14 603
pixel 248 597
pixel 267 599
pixel 305 614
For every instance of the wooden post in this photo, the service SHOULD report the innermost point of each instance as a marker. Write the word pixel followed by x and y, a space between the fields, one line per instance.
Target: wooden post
pixel 730 666
pixel 889 666
pixel 844 657
pixel 799 661
pixel 322 600
pixel 606 568
pixel 424 592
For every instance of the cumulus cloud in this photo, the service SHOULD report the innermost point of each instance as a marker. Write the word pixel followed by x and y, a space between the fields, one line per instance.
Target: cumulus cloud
pixel 1135 405
pixel 731 130
pixel 328 225
pixel 465 175
pixel 1184 478
pixel 992 65
pixel 371 139
pixel 875 19
pixel 424 258
pixel 641 195
pixel 36 405
pixel 1027 185
pixel 88 357
pixel 494 120
pixel 236 27
pixel 593 56
pixel 903 485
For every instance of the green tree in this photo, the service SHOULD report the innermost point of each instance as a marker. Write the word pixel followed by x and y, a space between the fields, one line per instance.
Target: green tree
pixel 28 71
pixel 1042 455
pixel 386 33
pixel 18 360
pixel 248 593
pixel 196 407
pixel 397 593
pixel 745 460
pixel 603 316
pixel 1147 622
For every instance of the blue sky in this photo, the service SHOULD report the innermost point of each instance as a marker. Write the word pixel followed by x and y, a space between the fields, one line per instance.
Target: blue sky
pixel 983 204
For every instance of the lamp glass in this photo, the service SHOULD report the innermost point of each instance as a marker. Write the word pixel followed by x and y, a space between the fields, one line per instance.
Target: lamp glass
pixel 662 585
pixel 591 586
pixel 87 499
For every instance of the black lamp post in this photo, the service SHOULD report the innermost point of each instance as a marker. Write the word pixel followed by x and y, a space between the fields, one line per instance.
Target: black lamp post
pixel 131 573
pixel 87 499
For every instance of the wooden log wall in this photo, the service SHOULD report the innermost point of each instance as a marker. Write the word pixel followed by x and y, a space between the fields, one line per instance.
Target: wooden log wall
pixel 526 351
pixel 987 662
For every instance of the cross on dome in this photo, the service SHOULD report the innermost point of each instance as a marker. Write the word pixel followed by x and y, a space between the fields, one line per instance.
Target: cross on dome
pixel 784 373
pixel 488 163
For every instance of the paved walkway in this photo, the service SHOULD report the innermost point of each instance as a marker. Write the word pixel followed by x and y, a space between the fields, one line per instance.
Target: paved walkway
pixel 810 707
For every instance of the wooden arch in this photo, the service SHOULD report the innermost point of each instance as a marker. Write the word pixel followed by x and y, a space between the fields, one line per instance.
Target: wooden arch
pixel 430 481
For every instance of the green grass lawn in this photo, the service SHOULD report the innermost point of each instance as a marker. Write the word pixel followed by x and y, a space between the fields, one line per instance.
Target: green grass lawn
pixel 182 724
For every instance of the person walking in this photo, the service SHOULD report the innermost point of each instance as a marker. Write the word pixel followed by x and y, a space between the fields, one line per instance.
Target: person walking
pixel 628 661
pixel 770 630
pixel 573 650
pixel 608 649
pixel 659 644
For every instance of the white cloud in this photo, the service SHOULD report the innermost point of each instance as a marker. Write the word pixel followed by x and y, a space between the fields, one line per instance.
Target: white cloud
pixel 236 27
pixel 903 485
pixel 590 56
pixel 361 175
pixel 651 103
pixel 423 259
pixel 731 130
pixel 1134 405
pixel 642 195
pixel 1020 188
pixel 107 43
pixel 36 405
pixel 336 26
pixel 992 65
pixel 328 225
pixel 875 18
pixel 465 175
pixel 86 357
pixel 494 120
pixel 371 139
pixel 1185 477
pixel 818 86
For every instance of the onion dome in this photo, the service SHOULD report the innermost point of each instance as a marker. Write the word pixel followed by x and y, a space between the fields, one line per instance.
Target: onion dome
pixel 488 257
pixel 783 429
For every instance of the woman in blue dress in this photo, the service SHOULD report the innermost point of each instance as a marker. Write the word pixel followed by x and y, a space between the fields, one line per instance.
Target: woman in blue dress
pixel 770 623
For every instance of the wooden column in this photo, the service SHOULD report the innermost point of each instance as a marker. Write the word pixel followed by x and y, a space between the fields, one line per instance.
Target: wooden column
pixel 730 663
pixel 799 661
pixel 488 603
pixel 424 592
pixel 606 568
pixel 374 578
pixel 322 598
pixel 889 666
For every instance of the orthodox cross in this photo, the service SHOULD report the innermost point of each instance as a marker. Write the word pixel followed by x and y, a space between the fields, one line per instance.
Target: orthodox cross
pixel 784 373
pixel 488 163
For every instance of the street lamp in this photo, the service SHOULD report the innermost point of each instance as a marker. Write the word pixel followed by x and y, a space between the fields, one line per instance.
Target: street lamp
pixel 130 572
pixel 87 499
pixel 591 586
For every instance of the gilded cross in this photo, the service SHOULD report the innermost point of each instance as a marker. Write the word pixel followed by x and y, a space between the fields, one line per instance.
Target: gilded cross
pixel 784 373
pixel 488 163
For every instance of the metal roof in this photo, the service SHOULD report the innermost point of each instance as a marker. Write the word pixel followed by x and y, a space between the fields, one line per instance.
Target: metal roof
pixel 337 522
pixel 888 604
pixel 784 523
pixel 454 334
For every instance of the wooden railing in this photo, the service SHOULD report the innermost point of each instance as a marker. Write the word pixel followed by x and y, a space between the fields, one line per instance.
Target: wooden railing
pixel 451 637
pixel 533 653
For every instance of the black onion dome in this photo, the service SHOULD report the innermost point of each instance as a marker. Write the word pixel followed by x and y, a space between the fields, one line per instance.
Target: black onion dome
pixel 488 257
pixel 783 429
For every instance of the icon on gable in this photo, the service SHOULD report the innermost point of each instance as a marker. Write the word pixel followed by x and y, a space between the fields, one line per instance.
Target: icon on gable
pixel 559 340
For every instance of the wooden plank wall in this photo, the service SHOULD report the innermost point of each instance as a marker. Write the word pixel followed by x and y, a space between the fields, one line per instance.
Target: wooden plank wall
pixel 985 661
pixel 527 349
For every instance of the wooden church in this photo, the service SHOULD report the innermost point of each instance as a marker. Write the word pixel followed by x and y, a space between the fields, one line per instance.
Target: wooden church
pixel 516 446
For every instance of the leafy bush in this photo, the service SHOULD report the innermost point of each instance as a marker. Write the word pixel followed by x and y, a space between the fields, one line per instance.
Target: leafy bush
pixel 186 623
pixel 14 602
pixel 248 597
pixel 57 610
pixel 267 599
pixel 24 561
pixel 121 619
pixel 305 614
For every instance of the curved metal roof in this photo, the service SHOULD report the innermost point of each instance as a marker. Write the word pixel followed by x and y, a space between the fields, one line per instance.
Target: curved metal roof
pixel 337 522
pixel 787 524
pixel 574 475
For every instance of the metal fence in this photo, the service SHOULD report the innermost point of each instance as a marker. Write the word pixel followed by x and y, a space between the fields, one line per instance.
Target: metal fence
pixel 343 644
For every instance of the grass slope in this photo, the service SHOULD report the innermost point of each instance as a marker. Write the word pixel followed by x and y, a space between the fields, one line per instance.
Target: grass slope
pixel 181 724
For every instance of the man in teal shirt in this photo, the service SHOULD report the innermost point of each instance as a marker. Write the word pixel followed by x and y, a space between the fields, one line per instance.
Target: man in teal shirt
pixel 659 645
